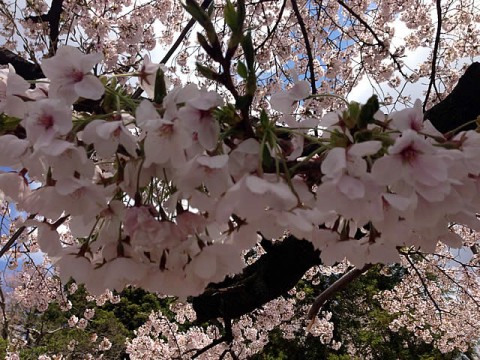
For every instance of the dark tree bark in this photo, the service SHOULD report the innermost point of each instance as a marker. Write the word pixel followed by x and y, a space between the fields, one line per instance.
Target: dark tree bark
pixel 461 105
pixel 271 276
pixel 53 19
pixel 24 68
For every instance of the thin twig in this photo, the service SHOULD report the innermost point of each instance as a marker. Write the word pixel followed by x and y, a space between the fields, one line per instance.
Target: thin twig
pixel 209 346
pixel 14 237
pixel 435 53
pixel 274 28
pixel 307 45
pixel 374 34
pixel 176 44
pixel 422 280
pixel 227 337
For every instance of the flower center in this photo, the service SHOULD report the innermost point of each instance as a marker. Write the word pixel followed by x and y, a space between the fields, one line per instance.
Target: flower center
pixel 166 130
pixel 409 154
pixel 46 121
pixel 77 75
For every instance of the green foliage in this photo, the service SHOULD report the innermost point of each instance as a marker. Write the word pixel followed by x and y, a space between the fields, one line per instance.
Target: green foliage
pixel 48 332
pixel 134 308
pixel 3 348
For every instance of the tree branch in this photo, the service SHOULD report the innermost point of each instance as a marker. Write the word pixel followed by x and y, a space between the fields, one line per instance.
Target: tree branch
pixel 338 285
pixel 53 19
pixel 435 54
pixel 14 238
pixel 286 262
pixel 461 106
pixel 307 45
pixel 24 68
pixel 374 34
pixel 205 4
pixel 271 276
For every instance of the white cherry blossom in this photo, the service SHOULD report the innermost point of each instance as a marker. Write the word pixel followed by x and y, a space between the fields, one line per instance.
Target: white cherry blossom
pixel 69 73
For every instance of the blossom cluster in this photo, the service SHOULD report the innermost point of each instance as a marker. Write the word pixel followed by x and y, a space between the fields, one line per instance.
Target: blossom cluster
pixel 437 300
pixel 167 195
pixel 163 338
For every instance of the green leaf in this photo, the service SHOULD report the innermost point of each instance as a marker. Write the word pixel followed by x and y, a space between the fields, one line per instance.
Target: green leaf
pixel 202 17
pixel 367 112
pixel 247 46
pixel 202 40
pixel 242 70
pixel 207 72
pixel 264 120
pixel 267 160
pixel 215 55
pixel 160 87
pixel 230 16
pixel 194 9
pixel 354 110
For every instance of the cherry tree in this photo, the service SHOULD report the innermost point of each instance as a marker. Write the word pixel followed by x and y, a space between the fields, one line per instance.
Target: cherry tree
pixel 244 141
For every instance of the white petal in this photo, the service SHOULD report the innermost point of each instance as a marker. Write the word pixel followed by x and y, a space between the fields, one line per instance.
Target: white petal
pixel 90 88
pixel 351 187
pixel 387 170
pixel 365 148
pixel 334 163
pixel 205 266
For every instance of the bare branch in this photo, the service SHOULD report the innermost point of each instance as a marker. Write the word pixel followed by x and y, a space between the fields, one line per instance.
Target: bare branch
pixel 337 286
pixel 374 34
pixel 435 54
pixel 307 45
pixel 272 275
pixel 205 4
pixel 24 68
pixel 425 287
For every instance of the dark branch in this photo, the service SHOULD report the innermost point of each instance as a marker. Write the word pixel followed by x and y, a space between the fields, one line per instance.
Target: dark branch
pixel 461 106
pixel 53 19
pixel 338 285
pixel 435 54
pixel 227 337
pixel 14 238
pixel 54 23
pixel 24 68
pixel 286 262
pixel 205 4
pixel 271 276
pixel 380 42
pixel 307 45
pixel 274 28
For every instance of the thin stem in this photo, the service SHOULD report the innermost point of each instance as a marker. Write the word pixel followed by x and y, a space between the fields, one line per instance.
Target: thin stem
pixel 307 45
pixel 435 54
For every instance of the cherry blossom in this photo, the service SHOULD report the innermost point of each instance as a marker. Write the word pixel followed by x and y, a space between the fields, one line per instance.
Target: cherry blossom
pixel 69 72
pixel 173 192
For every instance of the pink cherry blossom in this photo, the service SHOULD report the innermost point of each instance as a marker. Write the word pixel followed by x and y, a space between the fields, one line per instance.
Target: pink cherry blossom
pixel 197 114
pixel 45 121
pixel 106 136
pixel 413 160
pixel 69 73
pixel 166 139
pixel 12 88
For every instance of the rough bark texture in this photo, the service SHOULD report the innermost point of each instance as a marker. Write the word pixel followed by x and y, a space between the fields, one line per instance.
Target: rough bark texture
pixel 276 272
pixel 461 106
pixel 24 68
